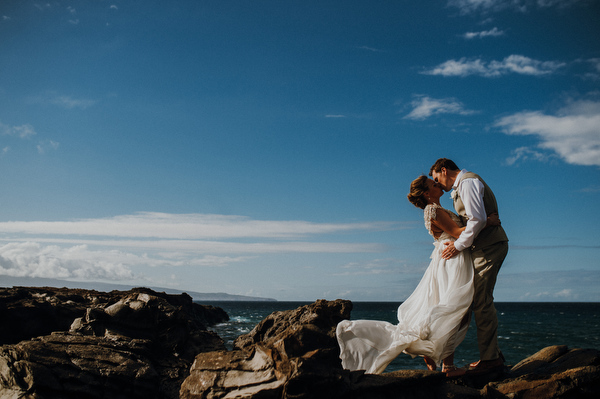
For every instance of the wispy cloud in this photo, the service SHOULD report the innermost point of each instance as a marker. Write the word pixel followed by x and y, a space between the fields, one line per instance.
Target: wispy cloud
pixel 110 248
pixel 573 133
pixel 495 32
pixel 380 266
pixel 424 107
pixel 571 285
pixel 335 116
pixel 22 131
pixel 46 145
pixel 63 101
pixel 512 64
pixel 25 132
pixel 73 13
pixel 523 154
pixel 371 49
pixel 70 102
pixel 190 226
pixel 594 63
pixel 591 189
pixel 485 6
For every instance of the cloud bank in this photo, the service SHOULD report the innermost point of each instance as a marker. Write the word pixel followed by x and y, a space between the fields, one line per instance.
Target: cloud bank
pixel 110 248
pixel 30 259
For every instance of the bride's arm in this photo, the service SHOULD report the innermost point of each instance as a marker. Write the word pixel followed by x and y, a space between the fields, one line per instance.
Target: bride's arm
pixel 444 222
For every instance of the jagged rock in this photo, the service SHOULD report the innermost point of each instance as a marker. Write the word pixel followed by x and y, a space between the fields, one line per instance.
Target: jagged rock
pixel 553 372
pixel 122 344
pixel 287 354
pixel 294 355
pixel 141 344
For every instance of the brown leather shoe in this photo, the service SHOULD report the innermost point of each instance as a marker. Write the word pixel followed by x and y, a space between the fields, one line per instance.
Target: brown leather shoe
pixel 485 366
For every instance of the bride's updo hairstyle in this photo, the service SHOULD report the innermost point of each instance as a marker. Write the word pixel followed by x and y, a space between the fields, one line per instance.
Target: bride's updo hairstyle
pixel 417 188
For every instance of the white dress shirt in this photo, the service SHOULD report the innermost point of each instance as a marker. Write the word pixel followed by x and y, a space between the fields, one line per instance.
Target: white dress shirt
pixel 471 194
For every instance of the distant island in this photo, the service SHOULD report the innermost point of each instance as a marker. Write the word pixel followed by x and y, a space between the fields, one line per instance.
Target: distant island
pixel 8 281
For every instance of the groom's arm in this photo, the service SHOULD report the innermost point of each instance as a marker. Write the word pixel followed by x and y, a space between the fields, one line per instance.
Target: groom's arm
pixel 471 194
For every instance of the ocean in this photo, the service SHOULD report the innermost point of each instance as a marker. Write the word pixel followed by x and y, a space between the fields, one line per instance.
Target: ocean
pixel 524 327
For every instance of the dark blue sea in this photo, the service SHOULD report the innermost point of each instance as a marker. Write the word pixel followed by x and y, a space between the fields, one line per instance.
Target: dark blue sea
pixel 524 327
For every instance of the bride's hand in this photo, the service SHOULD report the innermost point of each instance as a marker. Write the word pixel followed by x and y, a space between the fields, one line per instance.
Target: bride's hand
pixel 449 251
pixel 493 220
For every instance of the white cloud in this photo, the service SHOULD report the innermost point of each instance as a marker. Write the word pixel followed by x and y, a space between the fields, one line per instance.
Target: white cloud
pixel 380 266
pixel 525 154
pixel 23 131
pixel 484 6
pixel 511 64
pixel 189 226
pixel 372 49
pixel 30 259
pixel 335 116
pixel 69 102
pixel 595 65
pixel 109 249
pixel 573 133
pixel 212 246
pixel 595 188
pixel 46 145
pixel 62 101
pixel 424 107
pixel 495 32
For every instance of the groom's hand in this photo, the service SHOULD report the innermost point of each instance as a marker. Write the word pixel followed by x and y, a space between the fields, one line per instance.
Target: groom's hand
pixel 450 250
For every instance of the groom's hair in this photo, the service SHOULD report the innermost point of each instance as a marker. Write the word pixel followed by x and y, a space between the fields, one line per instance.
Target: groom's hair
pixel 443 163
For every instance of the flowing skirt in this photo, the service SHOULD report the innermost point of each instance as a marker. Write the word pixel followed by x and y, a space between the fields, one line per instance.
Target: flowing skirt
pixel 429 321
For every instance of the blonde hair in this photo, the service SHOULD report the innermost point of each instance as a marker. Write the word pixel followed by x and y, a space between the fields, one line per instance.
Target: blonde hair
pixel 417 189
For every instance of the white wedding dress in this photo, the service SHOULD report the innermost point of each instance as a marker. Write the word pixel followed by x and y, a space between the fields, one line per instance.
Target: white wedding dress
pixel 429 321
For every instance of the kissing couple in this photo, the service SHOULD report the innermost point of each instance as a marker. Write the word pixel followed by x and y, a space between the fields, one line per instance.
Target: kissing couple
pixel 469 248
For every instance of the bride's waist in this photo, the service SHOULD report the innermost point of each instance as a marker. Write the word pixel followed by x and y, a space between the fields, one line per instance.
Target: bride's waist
pixel 445 238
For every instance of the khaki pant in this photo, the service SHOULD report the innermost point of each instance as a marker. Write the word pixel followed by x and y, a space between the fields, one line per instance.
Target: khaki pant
pixel 487 262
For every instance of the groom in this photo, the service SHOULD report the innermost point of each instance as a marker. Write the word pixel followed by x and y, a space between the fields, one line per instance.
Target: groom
pixel 474 201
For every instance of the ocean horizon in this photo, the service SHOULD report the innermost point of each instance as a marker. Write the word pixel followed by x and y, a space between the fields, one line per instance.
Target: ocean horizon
pixel 524 328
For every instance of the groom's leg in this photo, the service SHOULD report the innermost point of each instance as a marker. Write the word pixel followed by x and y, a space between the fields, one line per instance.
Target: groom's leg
pixel 487 264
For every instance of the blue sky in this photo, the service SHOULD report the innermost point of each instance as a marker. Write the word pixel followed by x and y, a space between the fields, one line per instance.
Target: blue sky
pixel 266 148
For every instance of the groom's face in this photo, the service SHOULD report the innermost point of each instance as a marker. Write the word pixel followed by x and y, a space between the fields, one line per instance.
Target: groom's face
pixel 442 179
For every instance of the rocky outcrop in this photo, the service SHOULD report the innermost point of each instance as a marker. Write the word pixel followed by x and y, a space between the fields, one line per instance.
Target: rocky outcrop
pixel 60 343
pixel 64 343
pixel 289 354
pixel 294 354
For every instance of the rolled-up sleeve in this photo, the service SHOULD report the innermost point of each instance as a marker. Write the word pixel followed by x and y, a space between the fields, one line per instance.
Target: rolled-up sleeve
pixel 471 194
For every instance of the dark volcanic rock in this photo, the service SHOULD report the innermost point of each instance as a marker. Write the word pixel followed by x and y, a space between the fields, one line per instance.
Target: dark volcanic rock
pixel 294 354
pixel 289 354
pixel 80 343
pixel 61 343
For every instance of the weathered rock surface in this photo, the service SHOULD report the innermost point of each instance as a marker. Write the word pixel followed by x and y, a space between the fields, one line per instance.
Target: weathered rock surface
pixel 289 354
pixel 65 343
pixel 294 354
pixel 61 343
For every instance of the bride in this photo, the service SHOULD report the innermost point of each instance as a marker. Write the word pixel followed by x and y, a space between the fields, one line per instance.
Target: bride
pixel 434 319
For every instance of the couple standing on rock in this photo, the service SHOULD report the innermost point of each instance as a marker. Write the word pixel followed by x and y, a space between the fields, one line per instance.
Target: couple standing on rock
pixel 469 250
